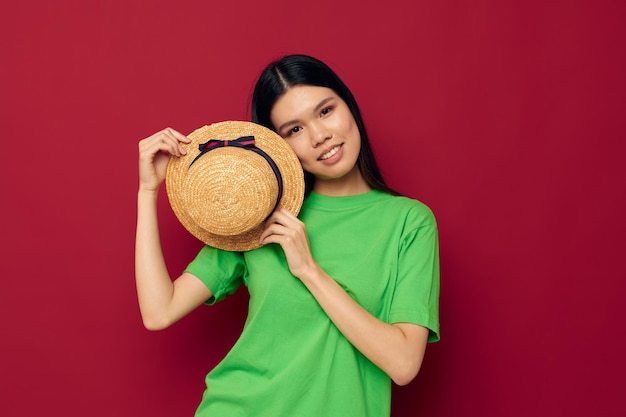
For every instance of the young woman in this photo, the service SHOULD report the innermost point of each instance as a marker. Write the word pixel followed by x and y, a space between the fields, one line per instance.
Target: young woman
pixel 343 297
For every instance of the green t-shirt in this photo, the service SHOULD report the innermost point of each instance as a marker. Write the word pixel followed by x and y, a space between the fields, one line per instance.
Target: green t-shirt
pixel 290 359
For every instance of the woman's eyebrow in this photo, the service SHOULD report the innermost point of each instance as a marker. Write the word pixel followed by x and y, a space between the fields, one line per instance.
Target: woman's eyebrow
pixel 284 125
pixel 322 103
pixel 315 109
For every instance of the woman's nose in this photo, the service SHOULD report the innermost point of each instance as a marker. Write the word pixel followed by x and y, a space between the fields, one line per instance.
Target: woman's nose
pixel 320 133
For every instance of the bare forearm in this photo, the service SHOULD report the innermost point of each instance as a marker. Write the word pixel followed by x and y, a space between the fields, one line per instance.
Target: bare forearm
pixel 397 352
pixel 154 285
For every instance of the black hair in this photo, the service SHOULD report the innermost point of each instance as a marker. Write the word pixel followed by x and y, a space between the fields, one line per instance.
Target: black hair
pixel 293 70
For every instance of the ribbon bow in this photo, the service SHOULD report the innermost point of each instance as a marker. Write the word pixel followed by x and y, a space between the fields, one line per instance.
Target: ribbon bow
pixel 246 142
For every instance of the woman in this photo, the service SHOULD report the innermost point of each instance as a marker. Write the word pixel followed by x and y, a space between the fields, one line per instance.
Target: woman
pixel 343 298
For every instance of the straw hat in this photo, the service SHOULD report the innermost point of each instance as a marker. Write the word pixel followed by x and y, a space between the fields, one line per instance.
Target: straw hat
pixel 234 175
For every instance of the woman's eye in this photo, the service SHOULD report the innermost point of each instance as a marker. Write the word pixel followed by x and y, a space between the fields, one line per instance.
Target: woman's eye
pixel 325 111
pixel 293 130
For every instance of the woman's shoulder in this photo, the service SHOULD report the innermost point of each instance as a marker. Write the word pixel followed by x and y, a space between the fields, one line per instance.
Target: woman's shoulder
pixel 411 208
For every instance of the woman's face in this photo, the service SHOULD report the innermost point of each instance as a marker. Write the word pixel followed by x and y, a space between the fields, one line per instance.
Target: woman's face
pixel 320 128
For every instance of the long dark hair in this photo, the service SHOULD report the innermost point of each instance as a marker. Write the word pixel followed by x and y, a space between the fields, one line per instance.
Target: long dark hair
pixel 293 70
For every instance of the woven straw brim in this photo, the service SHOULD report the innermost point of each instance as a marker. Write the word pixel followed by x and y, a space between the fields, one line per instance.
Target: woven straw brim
pixel 224 198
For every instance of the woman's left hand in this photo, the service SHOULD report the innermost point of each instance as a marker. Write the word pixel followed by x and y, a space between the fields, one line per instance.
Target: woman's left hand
pixel 289 232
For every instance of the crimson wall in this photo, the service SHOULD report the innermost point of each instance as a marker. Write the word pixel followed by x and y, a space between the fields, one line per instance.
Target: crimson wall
pixel 505 117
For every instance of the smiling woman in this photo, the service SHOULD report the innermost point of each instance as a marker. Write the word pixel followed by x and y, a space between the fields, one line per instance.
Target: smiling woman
pixel 343 299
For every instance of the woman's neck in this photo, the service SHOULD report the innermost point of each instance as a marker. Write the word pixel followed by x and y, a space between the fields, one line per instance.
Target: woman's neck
pixel 352 183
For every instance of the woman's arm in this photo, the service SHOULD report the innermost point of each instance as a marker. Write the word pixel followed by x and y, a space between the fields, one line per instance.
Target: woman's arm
pixel 161 301
pixel 398 349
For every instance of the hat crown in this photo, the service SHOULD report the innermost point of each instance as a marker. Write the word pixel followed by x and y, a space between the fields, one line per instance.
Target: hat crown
pixel 210 200
pixel 222 193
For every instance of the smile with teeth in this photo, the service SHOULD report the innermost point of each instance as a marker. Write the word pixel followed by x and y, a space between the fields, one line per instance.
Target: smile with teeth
pixel 330 153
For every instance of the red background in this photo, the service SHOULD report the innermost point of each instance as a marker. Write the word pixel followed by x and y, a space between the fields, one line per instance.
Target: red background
pixel 505 117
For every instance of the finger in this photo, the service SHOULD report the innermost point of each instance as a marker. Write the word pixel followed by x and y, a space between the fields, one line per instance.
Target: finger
pixel 270 239
pixel 170 137
pixel 166 142
pixel 179 136
pixel 273 229
pixel 284 217
pixel 285 240
pixel 148 149
pixel 169 142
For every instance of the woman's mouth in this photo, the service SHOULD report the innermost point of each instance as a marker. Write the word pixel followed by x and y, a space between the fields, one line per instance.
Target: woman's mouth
pixel 330 153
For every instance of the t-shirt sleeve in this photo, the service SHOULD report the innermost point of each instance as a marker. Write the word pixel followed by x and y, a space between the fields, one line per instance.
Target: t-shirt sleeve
pixel 416 296
pixel 221 271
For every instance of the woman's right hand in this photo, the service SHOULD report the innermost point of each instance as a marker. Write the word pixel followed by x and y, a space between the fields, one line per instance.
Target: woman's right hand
pixel 154 153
